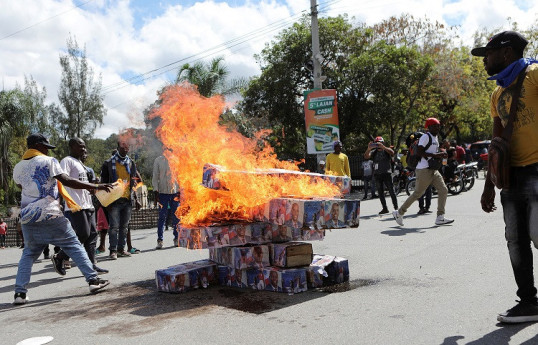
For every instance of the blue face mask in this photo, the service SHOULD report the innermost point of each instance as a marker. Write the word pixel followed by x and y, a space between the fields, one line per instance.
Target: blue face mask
pixel 510 73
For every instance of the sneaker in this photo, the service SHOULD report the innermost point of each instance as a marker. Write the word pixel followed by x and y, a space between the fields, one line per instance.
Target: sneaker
pixel 134 251
pixel 97 284
pixel 176 242
pixel 397 217
pixel 67 264
pixel 58 265
pixel 159 244
pixel 422 211
pixel 522 312
pixel 384 211
pixel 113 255
pixel 123 254
pixel 100 270
pixel 20 298
pixel 441 220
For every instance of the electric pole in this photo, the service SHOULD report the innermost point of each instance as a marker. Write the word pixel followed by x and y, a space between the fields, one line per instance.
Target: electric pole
pixel 316 56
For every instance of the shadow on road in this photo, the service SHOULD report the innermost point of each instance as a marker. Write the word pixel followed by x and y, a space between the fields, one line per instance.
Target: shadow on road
pixel 500 336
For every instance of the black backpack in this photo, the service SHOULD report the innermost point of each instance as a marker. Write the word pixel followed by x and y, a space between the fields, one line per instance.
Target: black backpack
pixel 412 155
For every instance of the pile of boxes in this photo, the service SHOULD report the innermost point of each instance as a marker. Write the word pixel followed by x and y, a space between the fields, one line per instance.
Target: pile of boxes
pixel 265 252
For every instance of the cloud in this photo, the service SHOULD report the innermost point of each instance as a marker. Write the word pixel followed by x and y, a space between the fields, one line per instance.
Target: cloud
pixel 123 40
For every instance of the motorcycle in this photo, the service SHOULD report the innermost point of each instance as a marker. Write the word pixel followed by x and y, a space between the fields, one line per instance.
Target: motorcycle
pixel 401 177
pixel 454 185
pixel 468 173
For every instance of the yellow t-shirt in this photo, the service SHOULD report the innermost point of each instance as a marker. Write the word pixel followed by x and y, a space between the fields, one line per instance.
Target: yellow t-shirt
pixel 524 143
pixel 338 164
pixel 122 173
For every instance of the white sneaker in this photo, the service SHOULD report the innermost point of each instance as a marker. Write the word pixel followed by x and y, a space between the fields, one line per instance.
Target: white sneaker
pixel 441 220
pixel 159 244
pixel 20 298
pixel 397 217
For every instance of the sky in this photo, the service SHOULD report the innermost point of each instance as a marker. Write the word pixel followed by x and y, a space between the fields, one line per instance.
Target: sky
pixel 138 46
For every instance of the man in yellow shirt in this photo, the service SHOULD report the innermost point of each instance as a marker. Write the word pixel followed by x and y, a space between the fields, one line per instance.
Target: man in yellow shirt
pixel 337 162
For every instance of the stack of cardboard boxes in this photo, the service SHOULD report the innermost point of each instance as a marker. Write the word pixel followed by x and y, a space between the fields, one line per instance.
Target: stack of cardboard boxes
pixel 265 253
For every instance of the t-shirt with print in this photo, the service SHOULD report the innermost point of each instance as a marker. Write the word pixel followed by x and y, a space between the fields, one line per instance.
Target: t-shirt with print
pixel 524 142
pixel 75 169
pixel 434 148
pixel 39 196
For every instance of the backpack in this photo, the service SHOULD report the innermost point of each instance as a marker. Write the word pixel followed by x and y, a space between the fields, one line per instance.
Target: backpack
pixel 412 155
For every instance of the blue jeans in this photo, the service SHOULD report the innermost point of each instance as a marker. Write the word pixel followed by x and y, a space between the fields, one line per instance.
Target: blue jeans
pixel 168 207
pixel 37 236
pixel 119 215
pixel 369 184
pixel 520 207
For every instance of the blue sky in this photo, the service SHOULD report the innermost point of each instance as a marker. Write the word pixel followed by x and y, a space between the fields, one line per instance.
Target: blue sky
pixel 127 38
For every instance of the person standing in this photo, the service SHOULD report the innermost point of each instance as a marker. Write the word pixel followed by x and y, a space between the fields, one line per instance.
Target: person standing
pixel 120 166
pixel 3 232
pixel 166 191
pixel 42 181
pixel 337 162
pixel 381 156
pixel 503 61
pixel 82 221
pixel 321 167
pixel 367 173
pixel 427 173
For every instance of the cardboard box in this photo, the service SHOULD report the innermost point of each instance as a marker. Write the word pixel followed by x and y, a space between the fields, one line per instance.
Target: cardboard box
pixel 290 280
pixel 290 254
pixel 327 270
pixel 193 238
pixel 334 214
pixel 352 213
pixel 185 277
pixel 229 276
pixel 250 256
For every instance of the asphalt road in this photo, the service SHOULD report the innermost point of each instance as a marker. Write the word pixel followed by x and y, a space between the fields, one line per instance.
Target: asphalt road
pixel 416 284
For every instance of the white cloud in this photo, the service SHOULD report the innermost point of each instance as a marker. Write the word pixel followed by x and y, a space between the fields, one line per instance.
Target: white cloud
pixel 115 47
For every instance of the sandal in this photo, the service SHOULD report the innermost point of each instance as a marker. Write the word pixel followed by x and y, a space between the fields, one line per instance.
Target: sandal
pixel 134 251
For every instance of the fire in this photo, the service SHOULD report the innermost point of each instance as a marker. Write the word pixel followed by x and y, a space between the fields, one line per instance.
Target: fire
pixel 190 130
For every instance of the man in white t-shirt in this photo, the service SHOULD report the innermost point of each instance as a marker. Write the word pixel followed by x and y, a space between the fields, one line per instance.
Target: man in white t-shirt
pixel 83 221
pixel 428 149
pixel 42 181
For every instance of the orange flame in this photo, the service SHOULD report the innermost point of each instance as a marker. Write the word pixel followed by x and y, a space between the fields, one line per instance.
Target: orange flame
pixel 190 130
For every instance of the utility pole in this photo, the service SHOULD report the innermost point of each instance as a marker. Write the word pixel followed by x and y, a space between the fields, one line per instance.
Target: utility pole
pixel 316 56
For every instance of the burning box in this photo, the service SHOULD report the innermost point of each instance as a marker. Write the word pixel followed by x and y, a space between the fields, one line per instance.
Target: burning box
pixel 326 270
pixel 211 177
pixel 185 277
pixel 193 238
pixel 313 235
pixel 334 213
pixel 241 257
pixel 275 279
pixel 352 213
pixel 290 254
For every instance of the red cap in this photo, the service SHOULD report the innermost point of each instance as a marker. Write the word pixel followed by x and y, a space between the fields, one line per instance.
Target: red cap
pixel 431 121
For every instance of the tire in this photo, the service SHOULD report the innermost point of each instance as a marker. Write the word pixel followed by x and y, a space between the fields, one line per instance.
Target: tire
pixel 410 186
pixel 456 187
pixel 468 182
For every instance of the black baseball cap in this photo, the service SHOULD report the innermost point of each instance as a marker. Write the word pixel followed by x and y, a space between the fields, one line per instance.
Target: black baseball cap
pixel 38 138
pixel 504 39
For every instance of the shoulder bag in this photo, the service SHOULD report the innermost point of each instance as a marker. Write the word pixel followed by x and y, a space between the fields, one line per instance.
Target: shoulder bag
pixel 499 148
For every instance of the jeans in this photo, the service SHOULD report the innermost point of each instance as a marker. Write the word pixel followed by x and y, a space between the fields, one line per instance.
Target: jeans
pixel 83 222
pixel 168 207
pixel 369 184
pixel 426 196
pixel 426 177
pixel 2 240
pixel 520 207
pixel 382 180
pixel 119 214
pixel 59 232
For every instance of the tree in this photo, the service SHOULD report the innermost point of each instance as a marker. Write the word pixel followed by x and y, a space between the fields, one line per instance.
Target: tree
pixel 79 95
pixel 210 78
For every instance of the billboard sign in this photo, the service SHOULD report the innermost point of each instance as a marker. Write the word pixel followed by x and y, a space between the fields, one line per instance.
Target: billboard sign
pixel 321 119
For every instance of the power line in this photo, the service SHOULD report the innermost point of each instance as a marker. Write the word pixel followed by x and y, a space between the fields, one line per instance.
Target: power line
pixel 45 20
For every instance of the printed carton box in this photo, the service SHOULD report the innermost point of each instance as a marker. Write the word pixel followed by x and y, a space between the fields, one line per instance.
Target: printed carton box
pixel 251 256
pixel 290 254
pixel 334 213
pixel 187 276
pixel 290 280
pixel 327 270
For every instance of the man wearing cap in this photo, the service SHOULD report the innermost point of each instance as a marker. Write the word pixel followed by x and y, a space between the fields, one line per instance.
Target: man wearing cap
pixel 381 156
pixel 321 167
pixel 503 61
pixel 337 162
pixel 426 174
pixel 42 181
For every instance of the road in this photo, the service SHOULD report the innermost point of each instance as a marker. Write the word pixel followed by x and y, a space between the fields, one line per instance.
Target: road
pixel 416 284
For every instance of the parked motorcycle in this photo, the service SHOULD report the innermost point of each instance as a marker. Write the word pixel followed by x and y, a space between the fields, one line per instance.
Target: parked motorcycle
pixel 468 173
pixel 455 185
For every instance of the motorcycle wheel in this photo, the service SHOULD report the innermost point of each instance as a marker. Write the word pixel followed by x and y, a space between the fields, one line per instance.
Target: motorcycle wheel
pixel 455 187
pixel 410 187
pixel 468 182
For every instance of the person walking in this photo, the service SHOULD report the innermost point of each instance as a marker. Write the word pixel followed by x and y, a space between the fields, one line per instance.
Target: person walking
pixel 381 156
pixel 82 221
pixel 337 162
pixel 3 232
pixel 166 191
pixel 42 181
pixel 120 166
pixel 367 174
pixel 504 62
pixel 427 172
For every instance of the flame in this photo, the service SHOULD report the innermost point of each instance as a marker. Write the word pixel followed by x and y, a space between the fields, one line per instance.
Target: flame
pixel 192 137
